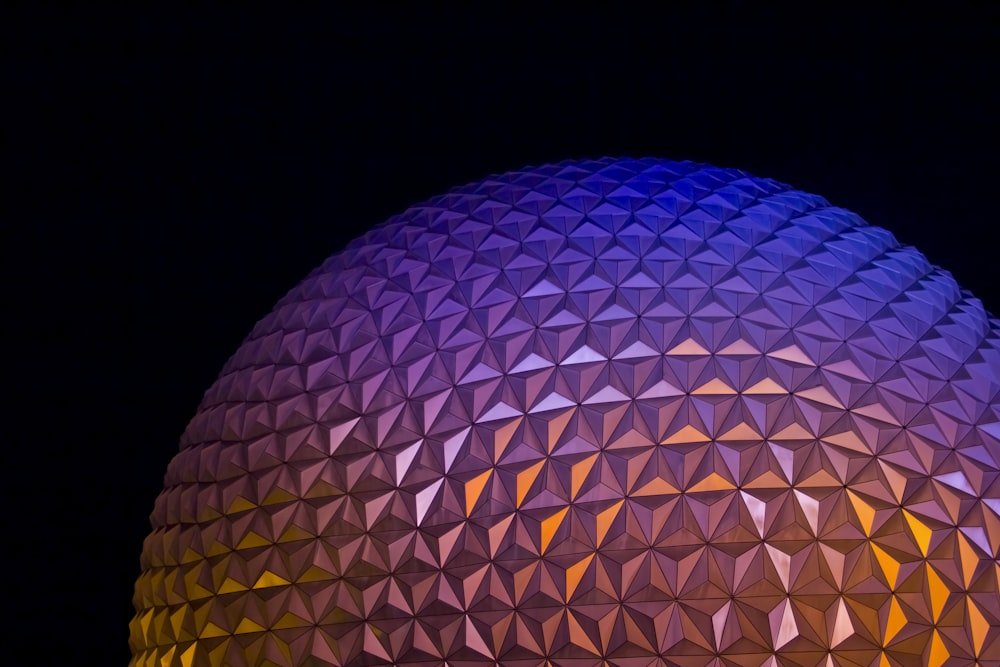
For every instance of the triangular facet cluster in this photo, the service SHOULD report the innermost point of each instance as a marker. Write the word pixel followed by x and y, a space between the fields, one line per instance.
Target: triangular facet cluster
pixel 616 412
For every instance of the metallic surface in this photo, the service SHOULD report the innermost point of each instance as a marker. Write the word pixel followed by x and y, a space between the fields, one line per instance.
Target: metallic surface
pixel 626 412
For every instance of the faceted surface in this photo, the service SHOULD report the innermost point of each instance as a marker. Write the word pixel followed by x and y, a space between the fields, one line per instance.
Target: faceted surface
pixel 625 412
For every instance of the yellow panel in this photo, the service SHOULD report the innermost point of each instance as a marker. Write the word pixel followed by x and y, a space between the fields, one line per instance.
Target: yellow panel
pixel 864 511
pixel 201 614
pixel 766 386
pixel 714 482
pixel 246 625
pixel 278 495
pixel 656 487
pixel 161 629
pixel 979 626
pixel 217 655
pixel 895 622
pixel 921 533
pixel 889 565
pixel 212 630
pixel 769 480
pixel 187 657
pixel 820 478
pixel 239 504
pixel 714 386
pixel 969 558
pixel 741 431
pixel 177 619
pixel 190 555
pixel 135 627
pixel 474 488
pixel 252 540
pixel 605 519
pixel 897 481
pixel 145 618
pixel 938 592
pixel 938 653
pixel 290 620
pixel 574 573
pixel 322 489
pixel 685 435
pixel 550 526
pixel 294 533
pixel 170 587
pixel 526 478
pixel 269 579
pixel 579 473
pixel 230 585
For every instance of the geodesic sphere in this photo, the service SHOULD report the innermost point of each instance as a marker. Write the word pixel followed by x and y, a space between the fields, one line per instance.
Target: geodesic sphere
pixel 624 412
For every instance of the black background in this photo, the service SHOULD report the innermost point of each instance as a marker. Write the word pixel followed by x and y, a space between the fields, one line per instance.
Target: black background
pixel 176 172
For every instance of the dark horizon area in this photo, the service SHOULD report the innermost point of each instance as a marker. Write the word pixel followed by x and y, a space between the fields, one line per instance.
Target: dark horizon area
pixel 176 173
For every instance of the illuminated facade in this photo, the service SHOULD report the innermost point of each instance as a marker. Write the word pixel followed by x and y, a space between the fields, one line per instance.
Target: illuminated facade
pixel 625 412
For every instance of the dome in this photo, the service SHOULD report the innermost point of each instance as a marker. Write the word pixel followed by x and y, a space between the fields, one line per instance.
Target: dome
pixel 625 412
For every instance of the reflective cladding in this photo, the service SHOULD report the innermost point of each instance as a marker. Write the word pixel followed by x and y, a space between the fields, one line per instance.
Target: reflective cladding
pixel 626 412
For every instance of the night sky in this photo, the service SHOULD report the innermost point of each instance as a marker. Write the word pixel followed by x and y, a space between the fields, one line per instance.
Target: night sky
pixel 175 173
